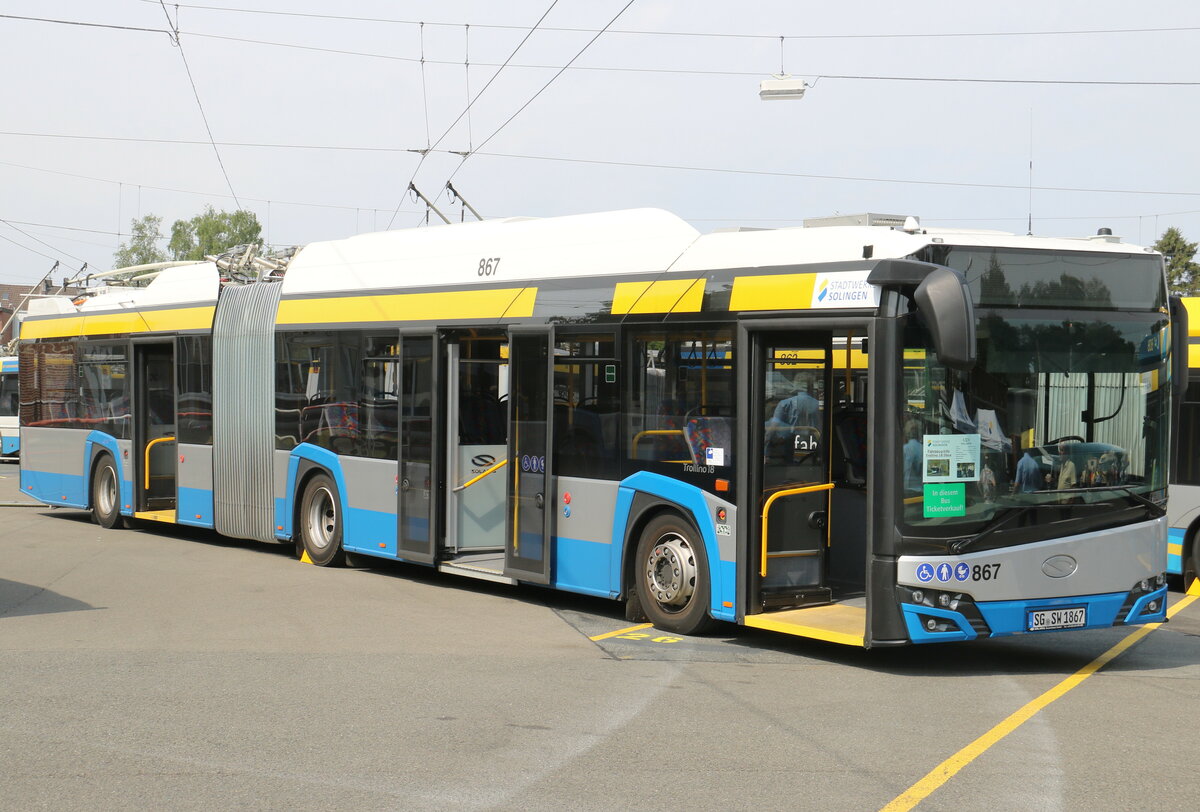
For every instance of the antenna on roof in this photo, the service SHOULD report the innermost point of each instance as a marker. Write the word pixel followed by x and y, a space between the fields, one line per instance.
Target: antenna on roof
pixel 428 204
pixel 454 195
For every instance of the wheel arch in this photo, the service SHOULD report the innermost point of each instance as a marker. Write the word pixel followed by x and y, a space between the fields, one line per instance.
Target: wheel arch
pixel 97 446
pixel 645 495
pixel 305 462
pixel 645 509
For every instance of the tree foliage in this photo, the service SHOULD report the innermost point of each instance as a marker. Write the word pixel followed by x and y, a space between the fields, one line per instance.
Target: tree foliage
pixel 142 248
pixel 1183 274
pixel 211 232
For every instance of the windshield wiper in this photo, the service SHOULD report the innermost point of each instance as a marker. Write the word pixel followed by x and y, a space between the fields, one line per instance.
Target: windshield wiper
pixel 1153 508
pixel 1016 511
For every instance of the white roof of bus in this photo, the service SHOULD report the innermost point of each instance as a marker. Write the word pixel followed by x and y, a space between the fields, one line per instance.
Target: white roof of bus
pixel 528 249
pixel 610 243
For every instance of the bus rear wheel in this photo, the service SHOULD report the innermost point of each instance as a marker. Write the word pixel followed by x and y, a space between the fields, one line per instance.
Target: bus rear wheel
pixel 106 494
pixel 672 576
pixel 1191 566
pixel 321 522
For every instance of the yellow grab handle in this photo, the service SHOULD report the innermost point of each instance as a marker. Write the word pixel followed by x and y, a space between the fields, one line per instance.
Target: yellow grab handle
pixel 827 486
pixel 475 479
pixel 150 445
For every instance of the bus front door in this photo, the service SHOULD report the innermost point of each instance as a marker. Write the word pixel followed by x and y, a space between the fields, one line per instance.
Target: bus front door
pixel 154 431
pixel 790 436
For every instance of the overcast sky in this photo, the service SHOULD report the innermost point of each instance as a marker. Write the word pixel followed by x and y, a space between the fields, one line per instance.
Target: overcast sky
pixel 314 118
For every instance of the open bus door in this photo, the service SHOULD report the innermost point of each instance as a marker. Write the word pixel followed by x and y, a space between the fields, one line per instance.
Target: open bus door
pixel 530 487
pixel 154 430
pixel 418 472
pixel 790 439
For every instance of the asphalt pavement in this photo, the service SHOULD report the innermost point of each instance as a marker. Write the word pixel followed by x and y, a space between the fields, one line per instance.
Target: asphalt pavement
pixel 160 667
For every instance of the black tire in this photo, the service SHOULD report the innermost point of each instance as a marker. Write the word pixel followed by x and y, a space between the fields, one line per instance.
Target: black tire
pixel 1191 565
pixel 672 576
pixel 320 522
pixel 106 493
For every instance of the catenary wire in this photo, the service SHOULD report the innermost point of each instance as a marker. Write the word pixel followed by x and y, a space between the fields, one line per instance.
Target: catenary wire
pixel 697 72
pixel 466 109
pixel 203 115
pixel 541 90
pixel 713 34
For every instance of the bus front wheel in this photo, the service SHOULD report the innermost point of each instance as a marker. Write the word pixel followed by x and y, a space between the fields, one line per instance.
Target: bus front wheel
pixel 106 494
pixel 672 576
pixel 321 522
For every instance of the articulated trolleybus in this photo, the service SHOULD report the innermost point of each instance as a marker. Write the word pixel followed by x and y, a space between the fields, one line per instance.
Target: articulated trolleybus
pixel 10 437
pixel 867 434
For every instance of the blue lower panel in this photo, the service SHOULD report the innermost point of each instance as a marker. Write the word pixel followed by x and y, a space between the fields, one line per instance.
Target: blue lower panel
pixel 370 531
pixel 55 489
pixel 1010 617
pixel 1175 551
pixel 584 566
pixel 194 507
pixel 10 445
pixel 957 626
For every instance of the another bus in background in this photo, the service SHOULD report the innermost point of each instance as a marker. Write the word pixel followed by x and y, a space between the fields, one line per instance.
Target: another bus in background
pixel 10 438
pixel 1183 542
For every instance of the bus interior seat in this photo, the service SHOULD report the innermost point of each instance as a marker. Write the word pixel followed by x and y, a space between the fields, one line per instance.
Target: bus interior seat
pixel 850 428
pixel 703 432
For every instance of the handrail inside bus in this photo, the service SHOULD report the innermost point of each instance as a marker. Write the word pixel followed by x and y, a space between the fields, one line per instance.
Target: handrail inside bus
pixel 825 486
pixel 150 445
pixel 478 477
pixel 658 432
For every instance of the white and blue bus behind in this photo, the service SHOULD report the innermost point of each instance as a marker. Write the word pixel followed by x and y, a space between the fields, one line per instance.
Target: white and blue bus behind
pixel 1183 548
pixel 10 437
pixel 872 435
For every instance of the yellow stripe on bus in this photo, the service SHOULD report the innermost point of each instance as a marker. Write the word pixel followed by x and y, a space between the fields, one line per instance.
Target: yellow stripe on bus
pixel 662 296
pixel 441 305
pixel 788 291
pixel 122 323
pixel 1192 305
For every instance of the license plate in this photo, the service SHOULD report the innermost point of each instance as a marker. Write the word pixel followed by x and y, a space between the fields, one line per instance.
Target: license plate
pixel 1041 620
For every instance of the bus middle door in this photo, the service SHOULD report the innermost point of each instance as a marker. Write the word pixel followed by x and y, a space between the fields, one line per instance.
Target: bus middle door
pixel 154 431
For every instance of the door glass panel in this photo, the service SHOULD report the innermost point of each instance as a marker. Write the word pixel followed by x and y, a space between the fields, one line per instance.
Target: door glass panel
pixel 794 455
pixel 528 492
pixel 416 444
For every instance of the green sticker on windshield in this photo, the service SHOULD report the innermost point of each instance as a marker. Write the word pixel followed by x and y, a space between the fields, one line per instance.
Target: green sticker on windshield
pixel 949 499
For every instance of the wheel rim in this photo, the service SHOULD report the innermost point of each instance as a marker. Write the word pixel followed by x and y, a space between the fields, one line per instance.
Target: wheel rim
pixel 106 491
pixel 321 521
pixel 671 571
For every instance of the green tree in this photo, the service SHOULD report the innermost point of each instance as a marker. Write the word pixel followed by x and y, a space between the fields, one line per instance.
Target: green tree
pixel 211 232
pixel 1183 274
pixel 142 248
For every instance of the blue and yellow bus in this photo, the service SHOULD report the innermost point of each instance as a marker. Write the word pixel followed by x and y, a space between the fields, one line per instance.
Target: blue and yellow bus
pixel 868 434
pixel 10 437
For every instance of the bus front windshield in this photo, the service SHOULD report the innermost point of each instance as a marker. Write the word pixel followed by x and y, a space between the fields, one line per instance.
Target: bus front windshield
pixel 1063 419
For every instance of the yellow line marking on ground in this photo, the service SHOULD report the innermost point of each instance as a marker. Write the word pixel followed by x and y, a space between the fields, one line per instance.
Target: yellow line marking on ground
pixel 949 768
pixel 618 632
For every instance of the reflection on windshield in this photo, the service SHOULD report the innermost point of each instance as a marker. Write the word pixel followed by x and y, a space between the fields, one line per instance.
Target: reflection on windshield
pixel 1056 411
pixel 1031 278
